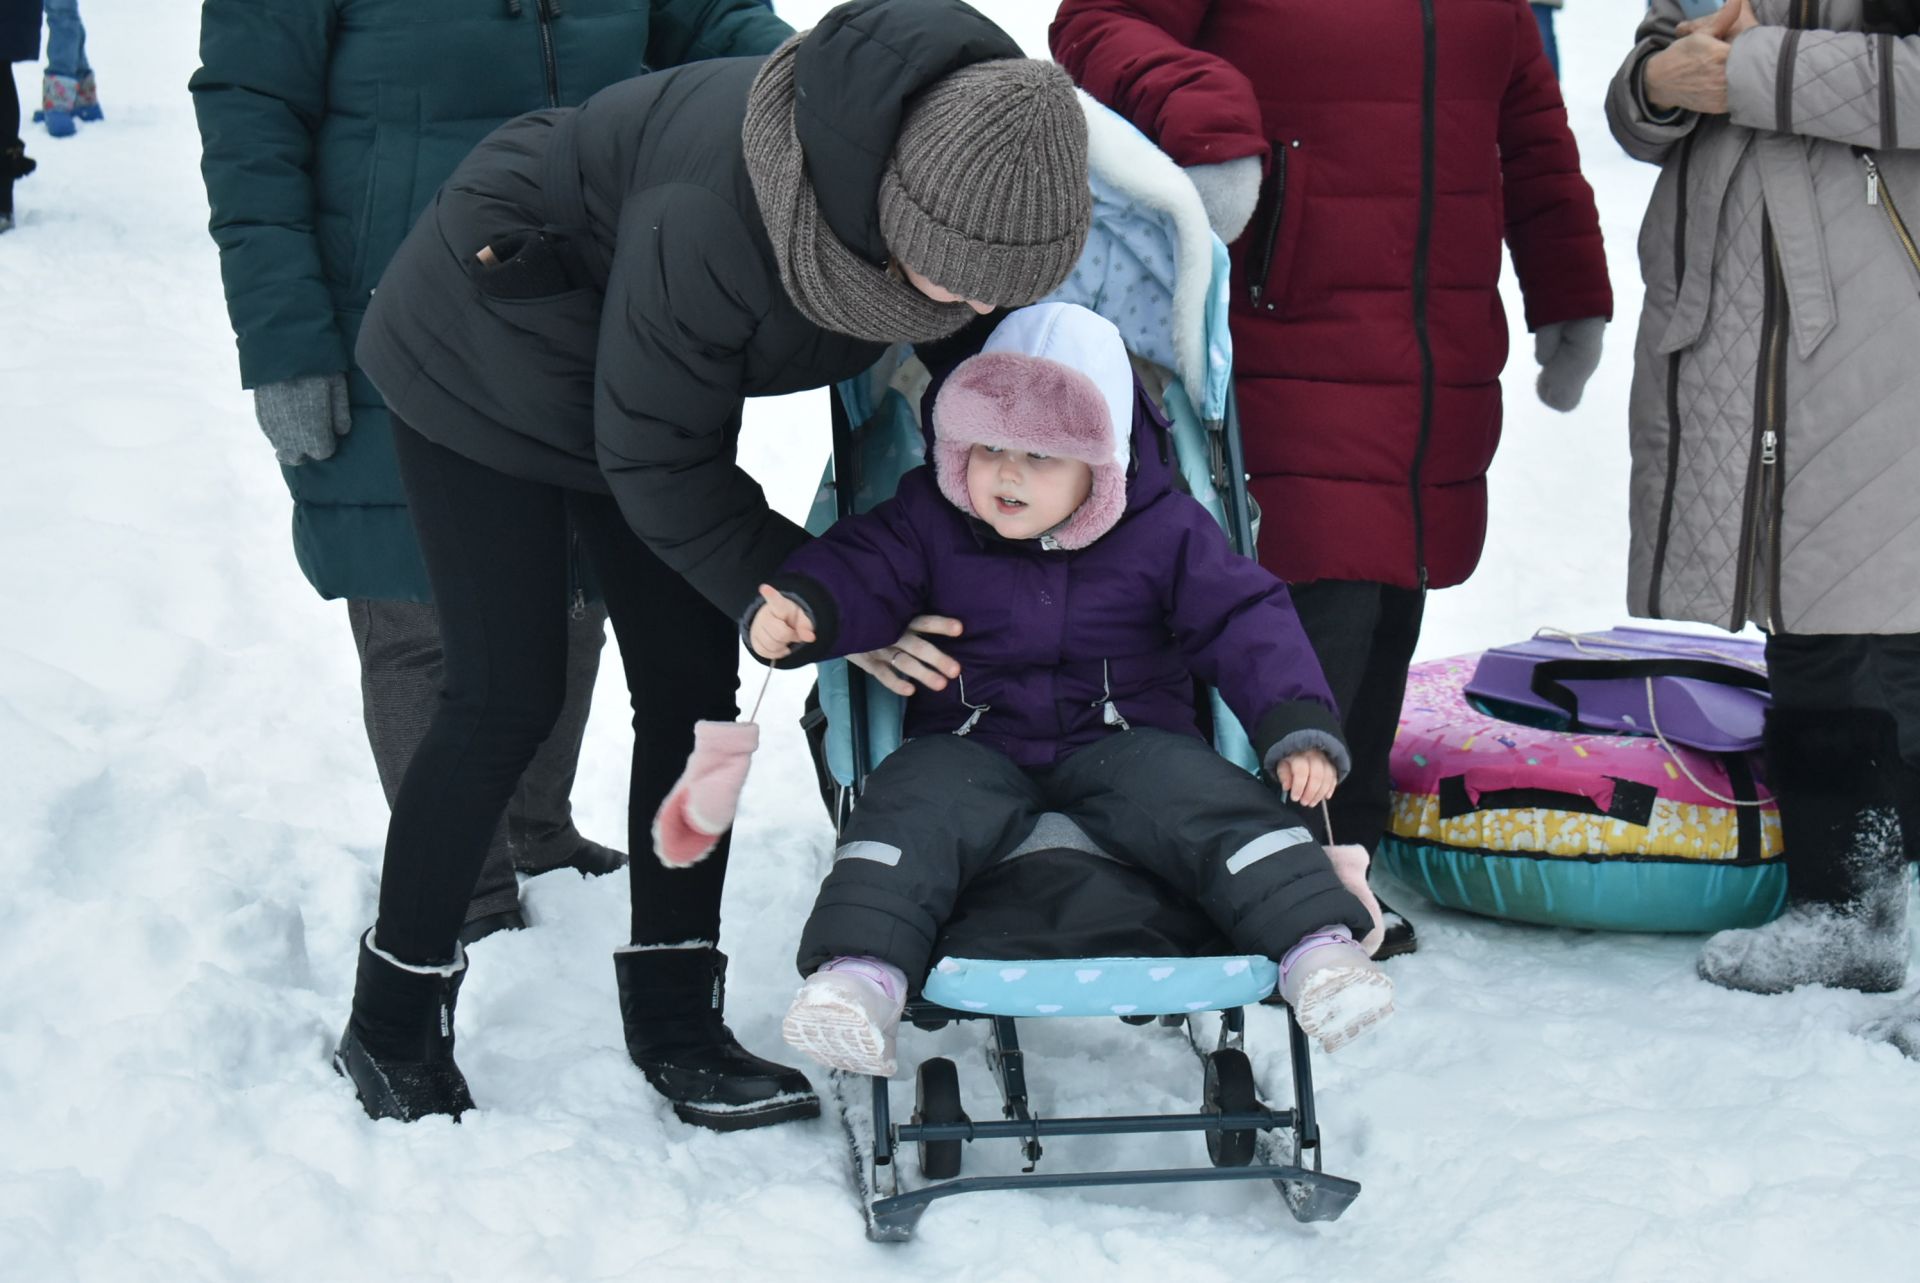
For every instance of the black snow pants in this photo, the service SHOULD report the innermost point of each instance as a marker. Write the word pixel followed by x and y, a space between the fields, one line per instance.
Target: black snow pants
pixel 496 552
pixel 1364 635
pixel 942 809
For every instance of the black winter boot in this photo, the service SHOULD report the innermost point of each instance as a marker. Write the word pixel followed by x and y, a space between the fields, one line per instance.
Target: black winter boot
pixel 398 1047
pixel 14 164
pixel 1399 937
pixel 1836 775
pixel 672 1002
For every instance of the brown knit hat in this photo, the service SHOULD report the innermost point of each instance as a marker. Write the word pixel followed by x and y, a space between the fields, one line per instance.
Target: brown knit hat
pixel 986 191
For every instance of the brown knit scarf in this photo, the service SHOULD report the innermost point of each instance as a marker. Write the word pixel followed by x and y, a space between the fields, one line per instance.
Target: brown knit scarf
pixel 832 286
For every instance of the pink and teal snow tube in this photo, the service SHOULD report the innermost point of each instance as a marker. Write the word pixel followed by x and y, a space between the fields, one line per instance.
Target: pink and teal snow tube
pixel 1573 828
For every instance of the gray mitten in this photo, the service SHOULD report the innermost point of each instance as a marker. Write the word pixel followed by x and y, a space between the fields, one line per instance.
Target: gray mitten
pixel 1568 353
pixel 1229 190
pixel 301 417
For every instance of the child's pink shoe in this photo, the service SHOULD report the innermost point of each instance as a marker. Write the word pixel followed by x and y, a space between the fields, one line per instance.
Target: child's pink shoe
pixel 1336 991
pixel 703 800
pixel 845 1019
pixel 1350 865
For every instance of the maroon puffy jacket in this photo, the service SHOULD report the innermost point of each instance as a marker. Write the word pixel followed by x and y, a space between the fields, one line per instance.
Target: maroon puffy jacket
pixel 1402 138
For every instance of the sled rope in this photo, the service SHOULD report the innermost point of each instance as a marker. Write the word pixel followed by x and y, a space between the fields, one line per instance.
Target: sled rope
pixel 765 682
pixel 1681 762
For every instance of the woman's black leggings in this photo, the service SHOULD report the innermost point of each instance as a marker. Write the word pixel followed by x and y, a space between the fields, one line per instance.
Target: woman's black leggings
pixel 497 553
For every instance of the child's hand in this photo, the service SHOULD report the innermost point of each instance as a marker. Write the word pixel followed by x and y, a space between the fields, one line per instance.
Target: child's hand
pixel 1308 778
pixel 778 626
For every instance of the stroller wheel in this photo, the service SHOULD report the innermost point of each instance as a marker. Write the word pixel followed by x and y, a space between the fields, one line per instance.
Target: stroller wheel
pixel 1229 1090
pixel 936 1099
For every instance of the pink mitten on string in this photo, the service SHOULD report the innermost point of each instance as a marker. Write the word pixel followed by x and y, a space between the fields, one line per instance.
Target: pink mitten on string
pixel 1350 863
pixel 703 800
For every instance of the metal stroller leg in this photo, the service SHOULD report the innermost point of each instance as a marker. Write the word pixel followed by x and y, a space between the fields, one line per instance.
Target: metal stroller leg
pixel 1318 1197
pixel 1008 1064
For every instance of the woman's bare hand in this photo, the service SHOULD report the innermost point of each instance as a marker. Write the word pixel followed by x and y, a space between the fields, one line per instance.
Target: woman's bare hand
pixel 1690 75
pixel 913 658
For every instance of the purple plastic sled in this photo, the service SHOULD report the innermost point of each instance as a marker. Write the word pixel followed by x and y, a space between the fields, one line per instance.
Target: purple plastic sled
pixel 1707 692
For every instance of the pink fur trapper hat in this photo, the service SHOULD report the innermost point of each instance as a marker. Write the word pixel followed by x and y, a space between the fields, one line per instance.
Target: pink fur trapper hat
pixel 1052 379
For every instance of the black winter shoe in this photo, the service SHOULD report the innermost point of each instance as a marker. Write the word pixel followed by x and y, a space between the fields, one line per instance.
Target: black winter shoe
pixel 581 854
pixel 1836 775
pixel 14 164
pixel 398 1047
pixel 476 929
pixel 1399 936
pixel 672 1002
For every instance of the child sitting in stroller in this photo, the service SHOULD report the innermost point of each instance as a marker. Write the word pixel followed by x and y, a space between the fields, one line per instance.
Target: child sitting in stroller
pixel 1090 592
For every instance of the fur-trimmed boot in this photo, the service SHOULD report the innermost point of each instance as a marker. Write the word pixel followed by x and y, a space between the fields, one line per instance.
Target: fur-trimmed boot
pixel 1835 774
pixel 398 1047
pixel 59 97
pixel 673 1005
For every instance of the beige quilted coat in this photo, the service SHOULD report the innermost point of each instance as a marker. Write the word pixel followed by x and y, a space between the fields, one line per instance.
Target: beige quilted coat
pixel 1775 414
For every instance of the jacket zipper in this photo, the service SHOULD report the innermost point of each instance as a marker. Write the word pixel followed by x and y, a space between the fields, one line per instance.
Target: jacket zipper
pixel 1766 479
pixel 1277 188
pixel 1764 474
pixel 1673 391
pixel 547 11
pixel 1421 249
pixel 1878 193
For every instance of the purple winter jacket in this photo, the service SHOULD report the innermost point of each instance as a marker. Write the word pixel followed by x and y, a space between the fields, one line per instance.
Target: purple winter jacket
pixel 1050 636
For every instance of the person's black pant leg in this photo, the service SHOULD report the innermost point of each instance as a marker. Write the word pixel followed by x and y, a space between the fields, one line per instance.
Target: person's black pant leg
pixel 1364 635
pixel 495 552
pixel 1816 672
pixel 936 813
pixel 682 660
pixel 400 679
pixel 1229 841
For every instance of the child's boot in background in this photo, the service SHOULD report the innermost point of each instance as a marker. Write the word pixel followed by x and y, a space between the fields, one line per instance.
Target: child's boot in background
pixel 86 100
pixel 59 96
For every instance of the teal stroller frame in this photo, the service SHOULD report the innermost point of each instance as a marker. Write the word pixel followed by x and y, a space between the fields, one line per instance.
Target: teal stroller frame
pixel 1149 235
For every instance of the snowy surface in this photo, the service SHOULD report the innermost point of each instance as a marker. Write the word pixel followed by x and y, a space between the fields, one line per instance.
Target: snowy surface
pixel 193 831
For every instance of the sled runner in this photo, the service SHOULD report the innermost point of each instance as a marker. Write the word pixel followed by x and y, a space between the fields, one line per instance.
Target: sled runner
pixel 1058 929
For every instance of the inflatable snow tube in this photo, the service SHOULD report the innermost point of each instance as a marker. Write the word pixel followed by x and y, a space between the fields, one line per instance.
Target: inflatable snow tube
pixel 1571 828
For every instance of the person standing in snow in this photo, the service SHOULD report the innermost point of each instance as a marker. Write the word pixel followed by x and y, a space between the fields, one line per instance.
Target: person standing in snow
pixel 67 89
pixel 1773 431
pixel 19 42
pixel 326 127
pixel 1092 593
pixel 1544 12
pixel 570 332
pixel 1363 162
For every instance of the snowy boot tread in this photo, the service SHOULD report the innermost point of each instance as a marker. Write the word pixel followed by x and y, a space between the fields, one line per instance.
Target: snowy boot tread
pixel 1337 993
pixel 844 1021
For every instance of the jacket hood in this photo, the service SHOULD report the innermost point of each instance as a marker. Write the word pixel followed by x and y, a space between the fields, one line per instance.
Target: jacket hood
pixel 1052 379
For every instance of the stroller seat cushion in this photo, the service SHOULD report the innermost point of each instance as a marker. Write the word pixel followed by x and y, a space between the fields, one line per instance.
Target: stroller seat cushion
pixel 1100 986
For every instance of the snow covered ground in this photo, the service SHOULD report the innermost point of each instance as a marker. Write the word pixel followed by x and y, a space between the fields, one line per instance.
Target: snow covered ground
pixel 193 830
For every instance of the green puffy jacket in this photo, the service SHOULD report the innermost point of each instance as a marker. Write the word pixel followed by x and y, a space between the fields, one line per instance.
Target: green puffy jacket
pixel 327 126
